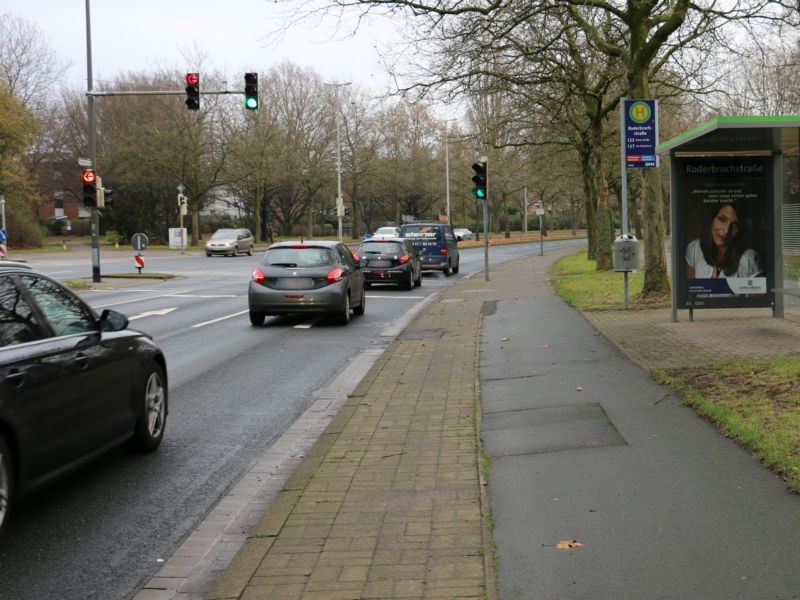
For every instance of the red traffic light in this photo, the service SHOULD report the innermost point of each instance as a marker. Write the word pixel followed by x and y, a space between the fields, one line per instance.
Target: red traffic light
pixel 192 78
pixel 89 176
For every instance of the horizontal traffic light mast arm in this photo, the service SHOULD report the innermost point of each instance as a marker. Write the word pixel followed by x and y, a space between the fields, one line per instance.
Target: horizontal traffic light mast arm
pixel 157 93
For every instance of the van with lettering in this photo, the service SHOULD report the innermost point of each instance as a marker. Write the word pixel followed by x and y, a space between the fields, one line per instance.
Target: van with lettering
pixel 436 245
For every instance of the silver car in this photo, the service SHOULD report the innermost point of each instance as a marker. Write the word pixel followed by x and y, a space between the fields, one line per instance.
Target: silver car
pixel 307 277
pixel 230 242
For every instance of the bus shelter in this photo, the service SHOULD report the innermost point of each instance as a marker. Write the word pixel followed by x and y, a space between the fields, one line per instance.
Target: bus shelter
pixel 734 212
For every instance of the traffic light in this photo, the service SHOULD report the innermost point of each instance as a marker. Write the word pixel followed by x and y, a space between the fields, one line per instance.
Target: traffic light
pixel 480 180
pixel 193 91
pixel 89 188
pixel 251 91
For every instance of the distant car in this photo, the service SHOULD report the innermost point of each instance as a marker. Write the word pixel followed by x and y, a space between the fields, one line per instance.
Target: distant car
pixel 391 260
pixel 463 233
pixel 386 232
pixel 230 242
pixel 306 277
pixel 72 384
pixel 436 244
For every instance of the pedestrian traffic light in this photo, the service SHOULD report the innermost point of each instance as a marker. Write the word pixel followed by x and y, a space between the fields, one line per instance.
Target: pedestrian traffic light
pixel 193 91
pixel 251 91
pixel 89 188
pixel 480 180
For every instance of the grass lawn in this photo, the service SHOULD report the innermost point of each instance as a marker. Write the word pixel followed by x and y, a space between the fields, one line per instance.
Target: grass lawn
pixel 754 402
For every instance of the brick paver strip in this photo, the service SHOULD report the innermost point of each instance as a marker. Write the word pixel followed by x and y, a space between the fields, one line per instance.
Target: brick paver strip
pixel 388 503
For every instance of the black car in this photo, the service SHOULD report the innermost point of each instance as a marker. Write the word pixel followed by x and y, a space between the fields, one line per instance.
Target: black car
pixel 306 277
pixel 390 261
pixel 72 384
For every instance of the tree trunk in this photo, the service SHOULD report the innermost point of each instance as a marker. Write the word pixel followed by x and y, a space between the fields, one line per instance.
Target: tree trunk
pixel 656 283
pixel 605 228
pixel 589 198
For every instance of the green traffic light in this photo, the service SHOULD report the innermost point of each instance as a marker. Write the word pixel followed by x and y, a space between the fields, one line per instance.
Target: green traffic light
pixel 480 193
pixel 251 103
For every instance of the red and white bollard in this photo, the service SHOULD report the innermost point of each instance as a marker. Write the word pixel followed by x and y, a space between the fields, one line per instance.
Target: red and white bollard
pixel 139 260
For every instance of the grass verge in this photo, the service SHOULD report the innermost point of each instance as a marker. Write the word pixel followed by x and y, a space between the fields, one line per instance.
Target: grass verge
pixel 754 402
pixel 578 281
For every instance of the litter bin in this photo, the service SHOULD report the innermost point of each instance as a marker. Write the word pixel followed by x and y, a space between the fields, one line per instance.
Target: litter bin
pixel 626 253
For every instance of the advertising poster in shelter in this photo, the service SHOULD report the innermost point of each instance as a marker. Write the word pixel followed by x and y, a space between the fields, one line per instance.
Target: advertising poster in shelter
pixel 724 232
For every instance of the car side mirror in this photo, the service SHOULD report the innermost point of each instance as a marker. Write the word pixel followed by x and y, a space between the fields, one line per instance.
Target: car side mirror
pixel 112 320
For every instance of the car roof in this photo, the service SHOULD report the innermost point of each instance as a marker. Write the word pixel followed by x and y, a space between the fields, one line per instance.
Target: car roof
pixel 318 243
pixel 12 265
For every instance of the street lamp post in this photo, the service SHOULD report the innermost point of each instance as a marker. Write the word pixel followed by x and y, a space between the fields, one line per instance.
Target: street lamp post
pixel 339 198
pixel 447 174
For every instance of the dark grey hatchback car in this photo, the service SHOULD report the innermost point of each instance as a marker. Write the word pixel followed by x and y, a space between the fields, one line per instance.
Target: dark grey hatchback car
pixel 72 384
pixel 306 277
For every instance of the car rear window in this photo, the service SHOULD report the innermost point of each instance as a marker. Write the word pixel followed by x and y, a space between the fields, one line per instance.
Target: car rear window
pixel 427 232
pixel 381 248
pixel 308 256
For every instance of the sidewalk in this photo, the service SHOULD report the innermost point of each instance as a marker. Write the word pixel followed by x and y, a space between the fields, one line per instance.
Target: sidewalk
pixel 579 445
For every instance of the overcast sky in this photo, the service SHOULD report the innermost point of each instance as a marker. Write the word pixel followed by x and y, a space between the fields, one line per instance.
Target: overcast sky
pixel 150 35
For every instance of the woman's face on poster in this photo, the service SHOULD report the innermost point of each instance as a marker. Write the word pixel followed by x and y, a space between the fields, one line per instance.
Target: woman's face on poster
pixel 725 226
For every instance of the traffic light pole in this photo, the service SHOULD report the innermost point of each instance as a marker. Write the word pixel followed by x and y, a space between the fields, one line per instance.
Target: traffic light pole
pixel 90 118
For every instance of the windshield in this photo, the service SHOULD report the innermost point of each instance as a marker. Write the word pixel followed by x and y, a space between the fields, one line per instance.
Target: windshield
pixel 224 234
pixel 309 256
pixel 380 248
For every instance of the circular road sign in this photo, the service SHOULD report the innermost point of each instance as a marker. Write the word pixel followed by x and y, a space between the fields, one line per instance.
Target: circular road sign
pixel 139 241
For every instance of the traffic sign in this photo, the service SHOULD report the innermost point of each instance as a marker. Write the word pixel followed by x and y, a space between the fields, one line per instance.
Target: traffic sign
pixel 3 235
pixel 641 133
pixel 139 241
pixel 139 260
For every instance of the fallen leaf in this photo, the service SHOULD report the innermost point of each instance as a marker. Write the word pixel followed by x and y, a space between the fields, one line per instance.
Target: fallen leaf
pixel 579 389
pixel 567 544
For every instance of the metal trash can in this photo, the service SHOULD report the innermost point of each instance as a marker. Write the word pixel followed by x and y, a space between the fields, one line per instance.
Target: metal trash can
pixel 626 253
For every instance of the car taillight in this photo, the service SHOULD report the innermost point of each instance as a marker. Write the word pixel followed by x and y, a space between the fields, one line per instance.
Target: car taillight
pixel 335 275
pixel 404 259
pixel 257 276
pixel 357 258
pixel 443 251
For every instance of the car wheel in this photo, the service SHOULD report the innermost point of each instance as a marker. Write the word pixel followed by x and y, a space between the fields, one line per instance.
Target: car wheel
pixel 6 484
pixel 256 318
pixel 359 310
pixel 455 269
pixel 447 269
pixel 250 252
pixel 150 426
pixel 208 254
pixel 344 313
pixel 236 251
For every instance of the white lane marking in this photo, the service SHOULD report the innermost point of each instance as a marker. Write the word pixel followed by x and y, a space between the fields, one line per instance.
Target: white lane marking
pixel 220 319
pixel 134 300
pixel 309 324
pixel 160 312
pixel 200 296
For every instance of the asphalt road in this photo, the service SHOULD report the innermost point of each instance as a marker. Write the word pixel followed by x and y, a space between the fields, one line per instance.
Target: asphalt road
pixel 105 530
